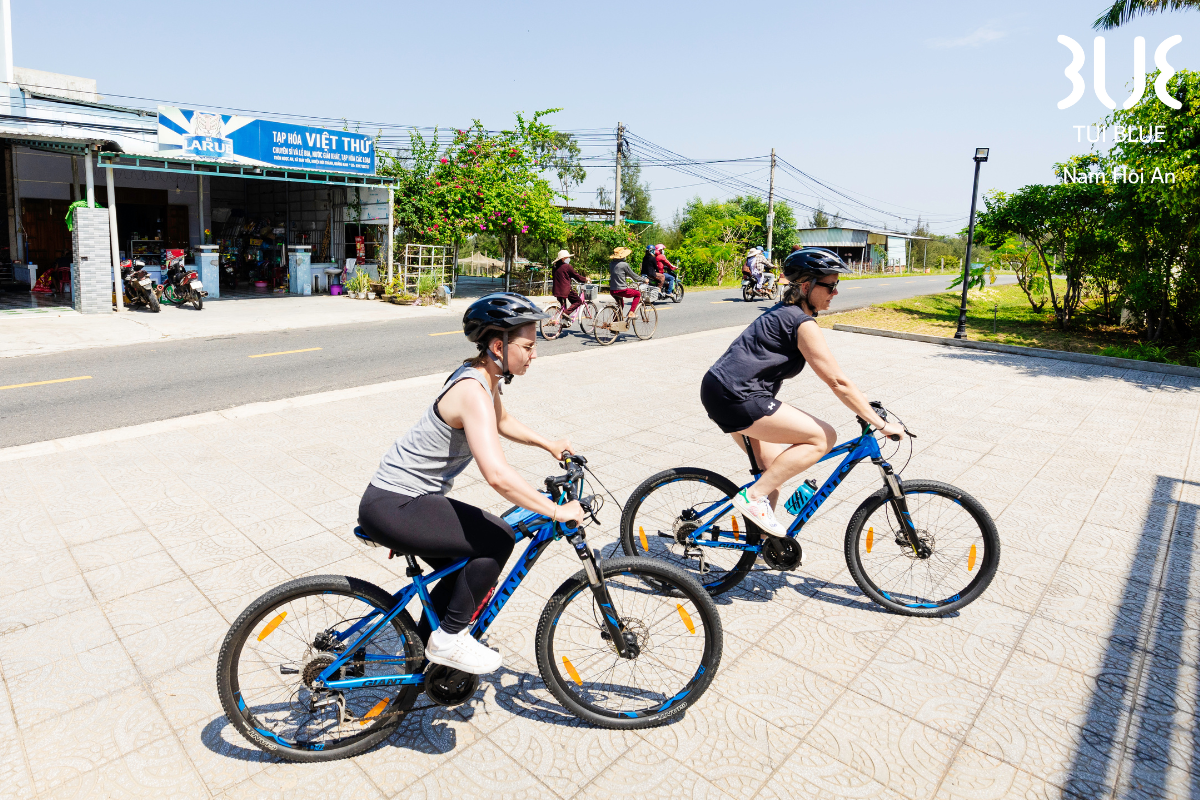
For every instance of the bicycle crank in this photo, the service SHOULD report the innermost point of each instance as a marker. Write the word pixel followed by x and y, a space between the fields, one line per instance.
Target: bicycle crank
pixel 782 552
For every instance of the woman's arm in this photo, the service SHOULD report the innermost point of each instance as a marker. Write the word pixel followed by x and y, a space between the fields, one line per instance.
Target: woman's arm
pixel 817 355
pixel 468 407
pixel 576 275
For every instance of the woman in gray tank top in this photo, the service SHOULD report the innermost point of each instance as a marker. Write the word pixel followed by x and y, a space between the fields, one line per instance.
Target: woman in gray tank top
pixel 406 507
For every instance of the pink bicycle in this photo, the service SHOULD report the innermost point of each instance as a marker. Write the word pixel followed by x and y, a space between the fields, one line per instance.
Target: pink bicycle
pixel 559 320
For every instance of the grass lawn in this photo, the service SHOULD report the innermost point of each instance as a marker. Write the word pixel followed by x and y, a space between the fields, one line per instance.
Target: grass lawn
pixel 1016 323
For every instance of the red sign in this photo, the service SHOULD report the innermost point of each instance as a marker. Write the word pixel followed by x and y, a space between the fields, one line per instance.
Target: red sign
pixel 360 248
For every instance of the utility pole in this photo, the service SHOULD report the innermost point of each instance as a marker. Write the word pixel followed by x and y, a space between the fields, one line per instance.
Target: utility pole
pixel 771 204
pixel 617 195
pixel 981 155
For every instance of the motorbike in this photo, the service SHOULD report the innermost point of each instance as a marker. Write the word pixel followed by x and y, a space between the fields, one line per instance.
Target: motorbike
pixel 769 290
pixel 137 287
pixel 182 285
pixel 651 293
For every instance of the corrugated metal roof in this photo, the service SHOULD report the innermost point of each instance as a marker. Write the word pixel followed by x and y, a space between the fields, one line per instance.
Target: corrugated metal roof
pixel 833 237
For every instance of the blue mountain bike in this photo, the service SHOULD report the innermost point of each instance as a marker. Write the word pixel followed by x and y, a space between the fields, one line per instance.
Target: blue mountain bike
pixel 326 667
pixel 916 547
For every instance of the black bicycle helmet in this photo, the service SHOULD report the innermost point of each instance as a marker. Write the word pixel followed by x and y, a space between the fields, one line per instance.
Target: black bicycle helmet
pixel 500 311
pixel 813 261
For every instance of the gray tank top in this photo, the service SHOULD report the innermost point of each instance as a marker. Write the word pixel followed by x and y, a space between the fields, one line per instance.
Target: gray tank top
pixel 431 454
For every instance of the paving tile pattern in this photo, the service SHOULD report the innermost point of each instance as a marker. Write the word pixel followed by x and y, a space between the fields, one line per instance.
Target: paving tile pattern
pixel 1077 675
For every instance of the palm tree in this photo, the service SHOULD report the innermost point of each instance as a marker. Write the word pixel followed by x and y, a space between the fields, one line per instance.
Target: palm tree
pixel 1123 11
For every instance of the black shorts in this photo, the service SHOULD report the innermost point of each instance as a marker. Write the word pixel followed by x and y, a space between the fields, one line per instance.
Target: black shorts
pixel 734 414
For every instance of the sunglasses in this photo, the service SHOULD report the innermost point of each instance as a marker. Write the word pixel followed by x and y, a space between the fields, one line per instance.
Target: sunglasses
pixel 830 286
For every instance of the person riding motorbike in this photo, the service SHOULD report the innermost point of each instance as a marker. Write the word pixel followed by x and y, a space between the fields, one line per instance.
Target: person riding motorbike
pixel 405 507
pixel 739 391
pixel 650 268
pixel 665 267
pixel 754 267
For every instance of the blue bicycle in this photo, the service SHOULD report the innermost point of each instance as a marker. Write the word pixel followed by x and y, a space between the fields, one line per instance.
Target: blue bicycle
pixel 326 667
pixel 916 547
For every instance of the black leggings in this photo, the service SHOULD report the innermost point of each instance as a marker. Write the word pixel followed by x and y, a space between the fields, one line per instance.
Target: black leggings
pixel 440 531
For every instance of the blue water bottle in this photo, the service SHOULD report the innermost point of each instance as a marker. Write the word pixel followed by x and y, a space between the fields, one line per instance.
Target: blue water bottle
pixel 799 497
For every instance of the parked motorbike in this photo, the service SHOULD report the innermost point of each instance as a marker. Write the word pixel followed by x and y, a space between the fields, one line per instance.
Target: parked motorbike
pixel 769 290
pixel 137 286
pixel 182 285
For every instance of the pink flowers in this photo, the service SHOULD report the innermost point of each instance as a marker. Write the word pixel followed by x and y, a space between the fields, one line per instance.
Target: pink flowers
pixel 482 226
pixel 445 161
pixel 524 229
pixel 510 219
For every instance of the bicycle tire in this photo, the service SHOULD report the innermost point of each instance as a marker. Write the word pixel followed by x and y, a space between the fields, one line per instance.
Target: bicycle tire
pixel 587 318
pixel 715 582
pixel 958 550
pixel 661 585
pixel 243 719
pixel 645 322
pixel 602 331
pixel 551 327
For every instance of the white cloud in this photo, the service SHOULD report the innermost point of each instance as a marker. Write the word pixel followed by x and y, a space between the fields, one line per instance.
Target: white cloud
pixel 977 37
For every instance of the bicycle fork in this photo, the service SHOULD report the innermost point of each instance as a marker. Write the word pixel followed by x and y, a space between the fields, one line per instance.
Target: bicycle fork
pixel 623 641
pixel 900 506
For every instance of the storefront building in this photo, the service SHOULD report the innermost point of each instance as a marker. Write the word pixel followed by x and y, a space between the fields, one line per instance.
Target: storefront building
pixel 260 207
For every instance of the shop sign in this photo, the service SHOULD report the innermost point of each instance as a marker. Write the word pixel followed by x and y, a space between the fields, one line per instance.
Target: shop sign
pixel 248 140
pixel 360 248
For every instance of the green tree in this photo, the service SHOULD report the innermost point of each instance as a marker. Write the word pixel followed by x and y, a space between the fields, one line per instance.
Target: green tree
pixel 819 218
pixel 635 193
pixel 415 208
pixel 493 183
pixel 1123 11
pixel 715 237
pixel 560 153
pixel 785 234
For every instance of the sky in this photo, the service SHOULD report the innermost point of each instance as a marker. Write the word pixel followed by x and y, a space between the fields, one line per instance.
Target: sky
pixel 881 101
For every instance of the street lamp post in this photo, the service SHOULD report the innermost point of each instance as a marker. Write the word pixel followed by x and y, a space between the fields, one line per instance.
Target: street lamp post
pixel 981 155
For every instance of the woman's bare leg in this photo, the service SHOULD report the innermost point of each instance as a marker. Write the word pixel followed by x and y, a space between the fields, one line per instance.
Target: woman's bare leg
pixel 764 454
pixel 809 439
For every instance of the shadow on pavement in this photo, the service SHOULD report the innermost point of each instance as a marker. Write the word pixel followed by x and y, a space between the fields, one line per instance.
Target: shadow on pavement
pixel 1140 713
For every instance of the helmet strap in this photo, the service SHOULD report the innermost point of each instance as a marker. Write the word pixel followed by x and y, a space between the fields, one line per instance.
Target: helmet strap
pixel 812 312
pixel 508 376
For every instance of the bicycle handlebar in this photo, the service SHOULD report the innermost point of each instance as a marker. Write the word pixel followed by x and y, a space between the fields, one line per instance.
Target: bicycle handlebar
pixel 882 412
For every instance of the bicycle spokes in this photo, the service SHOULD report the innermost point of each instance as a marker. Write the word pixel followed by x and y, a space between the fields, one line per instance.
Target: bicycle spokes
pixel 663 636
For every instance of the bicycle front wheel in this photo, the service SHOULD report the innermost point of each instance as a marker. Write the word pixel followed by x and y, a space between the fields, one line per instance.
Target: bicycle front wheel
pixel 661 514
pixel 960 550
pixel 678 645
pixel 551 327
pixel 281 643
pixel 603 330
pixel 645 322
pixel 587 318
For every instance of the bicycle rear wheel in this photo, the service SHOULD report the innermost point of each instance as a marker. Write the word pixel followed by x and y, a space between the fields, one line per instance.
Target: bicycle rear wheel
pixel 603 330
pixel 660 515
pixel 551 327
pixel 959 534
pixel 679 641
pixel 645 321
pixel 282 642
pixel 587 318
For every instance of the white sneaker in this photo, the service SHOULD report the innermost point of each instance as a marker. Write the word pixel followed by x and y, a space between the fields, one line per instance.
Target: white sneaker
pixel 759 512
pixel 461 651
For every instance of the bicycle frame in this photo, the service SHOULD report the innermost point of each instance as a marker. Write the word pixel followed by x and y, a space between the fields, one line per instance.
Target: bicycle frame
pixel 542 532
pixel 856 450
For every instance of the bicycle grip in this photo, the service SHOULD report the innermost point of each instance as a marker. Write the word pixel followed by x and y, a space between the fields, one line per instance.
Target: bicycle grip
pixel 569 524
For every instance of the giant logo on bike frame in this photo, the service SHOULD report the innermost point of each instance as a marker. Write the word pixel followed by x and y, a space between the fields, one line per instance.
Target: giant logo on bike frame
pixel 263 142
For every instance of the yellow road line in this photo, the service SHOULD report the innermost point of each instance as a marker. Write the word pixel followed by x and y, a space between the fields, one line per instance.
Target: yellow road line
pixel 716 302
pixel 285 352
pixel 43 383
pixel 444 333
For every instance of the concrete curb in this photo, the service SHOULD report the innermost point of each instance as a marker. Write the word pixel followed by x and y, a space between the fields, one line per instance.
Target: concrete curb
pixel 1034 352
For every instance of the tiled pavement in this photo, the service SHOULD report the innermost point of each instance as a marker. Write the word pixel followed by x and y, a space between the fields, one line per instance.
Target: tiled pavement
pixel 123 565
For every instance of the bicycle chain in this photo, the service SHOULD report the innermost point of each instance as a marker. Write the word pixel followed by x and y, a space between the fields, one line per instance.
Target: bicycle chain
pixel 378 717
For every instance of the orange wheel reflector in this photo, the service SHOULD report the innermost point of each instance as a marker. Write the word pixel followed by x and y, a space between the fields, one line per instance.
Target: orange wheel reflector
pixel 737 534
pixel 686 617
pixel 870 539
pixel 271 626
pixel 642 536
pixel 375 711
pixel 572 671
pixel 971 559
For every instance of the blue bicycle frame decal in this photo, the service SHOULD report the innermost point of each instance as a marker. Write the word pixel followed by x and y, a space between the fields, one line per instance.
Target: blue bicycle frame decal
pixel 541 533
pixel 856 450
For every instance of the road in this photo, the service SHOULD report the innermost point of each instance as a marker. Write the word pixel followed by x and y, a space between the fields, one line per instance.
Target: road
pixel 143 383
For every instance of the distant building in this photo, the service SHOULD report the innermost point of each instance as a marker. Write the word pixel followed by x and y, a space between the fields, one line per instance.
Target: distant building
pixel 860 246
